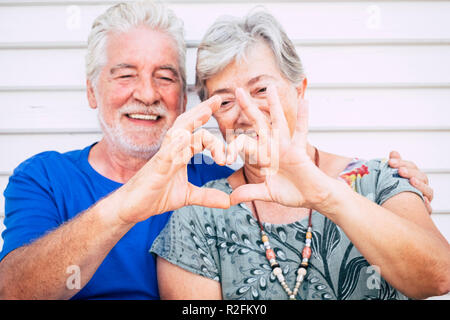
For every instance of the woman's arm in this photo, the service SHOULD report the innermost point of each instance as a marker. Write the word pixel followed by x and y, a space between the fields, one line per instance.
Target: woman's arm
pixel 175 283
pixel 400 238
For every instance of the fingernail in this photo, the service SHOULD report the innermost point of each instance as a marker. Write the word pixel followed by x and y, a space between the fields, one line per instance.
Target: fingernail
pixel 394 161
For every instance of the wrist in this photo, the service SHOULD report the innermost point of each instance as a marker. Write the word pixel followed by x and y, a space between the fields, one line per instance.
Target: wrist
pixel 336 201
pixel 111 210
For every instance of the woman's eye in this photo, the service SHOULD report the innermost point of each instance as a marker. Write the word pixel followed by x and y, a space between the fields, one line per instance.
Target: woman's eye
pixel 225 103
pixel 261 90
pixel 126 76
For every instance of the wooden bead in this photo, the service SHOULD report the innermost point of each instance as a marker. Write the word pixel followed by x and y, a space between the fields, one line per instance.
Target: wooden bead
pixel 306 253
pixel 301 271
pixel 276 271
pixel 270 254
pixel 274 265
pixel 265 238
pixel 308 235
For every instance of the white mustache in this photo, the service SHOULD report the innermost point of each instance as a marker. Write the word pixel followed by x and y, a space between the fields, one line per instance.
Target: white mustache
pixel 156 109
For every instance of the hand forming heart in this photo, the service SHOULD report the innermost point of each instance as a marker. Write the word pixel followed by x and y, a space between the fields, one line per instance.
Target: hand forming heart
pixel 291 177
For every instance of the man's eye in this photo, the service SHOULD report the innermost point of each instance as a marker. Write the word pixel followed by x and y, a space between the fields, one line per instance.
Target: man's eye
pixel 126 76
pixel 166 79
pixel 225 103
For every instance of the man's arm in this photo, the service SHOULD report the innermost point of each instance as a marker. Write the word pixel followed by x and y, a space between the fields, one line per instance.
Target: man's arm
pixel 40 270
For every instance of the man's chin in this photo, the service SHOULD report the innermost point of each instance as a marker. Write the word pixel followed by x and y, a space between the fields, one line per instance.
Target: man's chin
pixel 145 153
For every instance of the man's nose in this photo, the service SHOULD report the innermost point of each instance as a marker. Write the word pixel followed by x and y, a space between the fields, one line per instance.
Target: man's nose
pixel 146 92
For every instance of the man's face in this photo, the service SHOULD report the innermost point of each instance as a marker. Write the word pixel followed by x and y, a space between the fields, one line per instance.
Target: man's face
pixel 139 91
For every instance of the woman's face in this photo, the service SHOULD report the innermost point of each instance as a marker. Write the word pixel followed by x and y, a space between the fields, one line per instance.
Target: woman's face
pixel 253 74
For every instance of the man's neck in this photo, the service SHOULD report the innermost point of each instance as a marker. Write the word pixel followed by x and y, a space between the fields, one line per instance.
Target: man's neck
pixel 113 164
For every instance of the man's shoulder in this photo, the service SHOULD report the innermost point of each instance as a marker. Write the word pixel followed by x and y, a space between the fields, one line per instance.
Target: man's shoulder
pixel 203 169
pixel 48 161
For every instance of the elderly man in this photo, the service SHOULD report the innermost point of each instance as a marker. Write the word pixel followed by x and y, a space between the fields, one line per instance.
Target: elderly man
pixel 80 224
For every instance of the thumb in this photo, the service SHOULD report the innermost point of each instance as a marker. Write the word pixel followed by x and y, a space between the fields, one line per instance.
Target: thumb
pixel 207 197
pixel 249 192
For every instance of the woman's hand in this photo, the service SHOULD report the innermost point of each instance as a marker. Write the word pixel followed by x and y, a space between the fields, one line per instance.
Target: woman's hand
pixel 292 179
pixel 162 184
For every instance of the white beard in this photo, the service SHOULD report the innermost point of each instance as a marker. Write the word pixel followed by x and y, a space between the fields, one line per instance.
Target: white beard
pixel 123 141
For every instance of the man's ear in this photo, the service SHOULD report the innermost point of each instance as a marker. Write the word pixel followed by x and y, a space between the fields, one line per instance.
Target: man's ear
pixel 301 88
pixel 184 102
pixel 91 95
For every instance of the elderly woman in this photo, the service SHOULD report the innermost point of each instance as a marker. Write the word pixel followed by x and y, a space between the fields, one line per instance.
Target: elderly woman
pixel 304 223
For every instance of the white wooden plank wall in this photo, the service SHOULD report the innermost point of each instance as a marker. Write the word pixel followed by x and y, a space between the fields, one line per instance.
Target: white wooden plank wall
pixel 379 78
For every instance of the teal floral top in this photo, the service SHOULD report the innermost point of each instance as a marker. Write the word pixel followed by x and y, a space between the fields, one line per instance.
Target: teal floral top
pixel 225 245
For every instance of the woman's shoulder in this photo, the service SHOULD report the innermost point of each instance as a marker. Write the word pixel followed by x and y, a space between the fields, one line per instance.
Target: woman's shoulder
pixel 375 179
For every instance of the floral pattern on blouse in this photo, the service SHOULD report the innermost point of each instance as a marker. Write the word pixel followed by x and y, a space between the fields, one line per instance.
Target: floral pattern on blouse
pixel 226 246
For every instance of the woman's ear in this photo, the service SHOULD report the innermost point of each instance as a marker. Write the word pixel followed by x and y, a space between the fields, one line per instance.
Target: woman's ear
pixel 302 88
pixel 91 95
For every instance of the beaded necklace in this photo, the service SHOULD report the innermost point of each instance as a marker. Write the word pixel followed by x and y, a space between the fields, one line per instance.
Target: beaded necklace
pixel 271 256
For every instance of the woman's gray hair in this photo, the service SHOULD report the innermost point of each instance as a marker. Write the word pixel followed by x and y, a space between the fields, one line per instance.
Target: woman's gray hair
pixel 229 38
pixel 124 16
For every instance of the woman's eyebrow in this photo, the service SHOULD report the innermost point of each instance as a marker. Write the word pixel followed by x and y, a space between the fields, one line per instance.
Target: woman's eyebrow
pixel 222 90
pixel 249 83
pixel 258 78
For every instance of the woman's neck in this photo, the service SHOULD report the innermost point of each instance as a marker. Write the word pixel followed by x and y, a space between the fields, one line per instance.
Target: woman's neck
pixel 273 212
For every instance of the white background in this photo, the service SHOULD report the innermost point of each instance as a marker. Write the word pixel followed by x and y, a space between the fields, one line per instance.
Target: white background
pixel 379 78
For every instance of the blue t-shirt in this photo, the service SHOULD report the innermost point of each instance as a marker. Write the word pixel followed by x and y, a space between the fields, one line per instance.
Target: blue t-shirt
pixel 51 188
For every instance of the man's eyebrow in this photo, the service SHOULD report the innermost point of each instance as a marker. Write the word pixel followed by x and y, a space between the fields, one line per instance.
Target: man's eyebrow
pixel 122 66
pixel 170 68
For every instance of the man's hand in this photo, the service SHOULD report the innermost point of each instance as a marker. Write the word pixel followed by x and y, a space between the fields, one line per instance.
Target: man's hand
pixel 417 178
pixel 162 184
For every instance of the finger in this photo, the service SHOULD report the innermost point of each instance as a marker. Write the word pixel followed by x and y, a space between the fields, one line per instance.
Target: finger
pixel 203 139
pixel 408 173
pixel 175 151
pixel 207 197
pixel 395 155
pixel 397 163
pixel 301 127
pixel 426 190
pixel 249 192
pixel 244 145
pixel 276 110
pixel 254 114
pixel 198 115
pixel 428 206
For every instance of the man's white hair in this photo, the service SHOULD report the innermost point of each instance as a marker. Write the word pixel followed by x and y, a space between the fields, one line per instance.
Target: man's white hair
pixel 229 38
pixel 125 16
